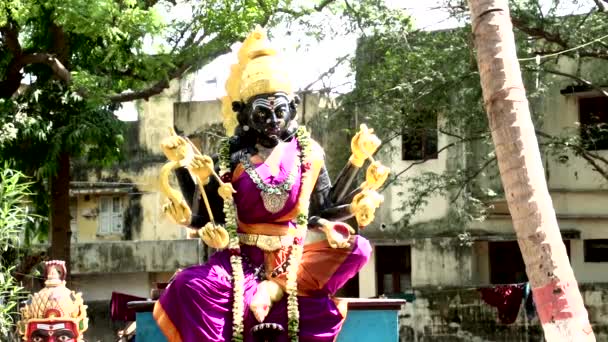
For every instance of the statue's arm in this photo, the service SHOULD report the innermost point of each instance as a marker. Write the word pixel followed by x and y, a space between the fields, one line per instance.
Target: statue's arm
pixel 322 205
pixel 191 192
pixel 339 192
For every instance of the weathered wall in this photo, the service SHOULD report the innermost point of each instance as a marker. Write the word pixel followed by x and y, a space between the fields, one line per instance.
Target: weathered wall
pixel 441 262
pixel 434 262
pixel 135 256
pixel 100 286
pixel 156 117
pixel 460 315
pixel 87 225
pixel 561 116
pixel 438 206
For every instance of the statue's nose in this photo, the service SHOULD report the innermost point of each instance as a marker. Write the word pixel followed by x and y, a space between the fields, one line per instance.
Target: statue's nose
pixel 272 120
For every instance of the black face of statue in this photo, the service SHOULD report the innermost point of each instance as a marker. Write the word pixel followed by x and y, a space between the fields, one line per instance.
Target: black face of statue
pixel 270 115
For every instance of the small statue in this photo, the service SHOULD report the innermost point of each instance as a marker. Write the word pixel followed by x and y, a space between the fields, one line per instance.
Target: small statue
pixel 267 203
pixel 55 313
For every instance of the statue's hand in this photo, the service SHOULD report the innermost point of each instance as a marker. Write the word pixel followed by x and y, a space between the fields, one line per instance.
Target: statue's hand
pixel 337 233
pixel 214 236
pixel 225 191
pixel 176 148
pixel 375 176
pixel 364 206
pixel 179 213
pixel 363 145
pixel 202 167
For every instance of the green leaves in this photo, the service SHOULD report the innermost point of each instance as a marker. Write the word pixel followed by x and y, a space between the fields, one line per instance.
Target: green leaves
pixel 14 215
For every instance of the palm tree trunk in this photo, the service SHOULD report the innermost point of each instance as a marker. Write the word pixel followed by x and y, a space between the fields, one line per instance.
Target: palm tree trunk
pixel 556 294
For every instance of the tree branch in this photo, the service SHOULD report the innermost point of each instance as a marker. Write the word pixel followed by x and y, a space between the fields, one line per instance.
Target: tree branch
pixel 163 84
pixel 322 5
pixel 590 157
pixel 538 32
pixel 600 5
pixel 316 8
pixel 10 36
pixel 12 78
pixel 596 167
pixel 155 89
pixel 471 177
pixel 574 77
pixel 44 58
pixel 357 18
pixel 418 162
pixel 60 44
pixel 328 72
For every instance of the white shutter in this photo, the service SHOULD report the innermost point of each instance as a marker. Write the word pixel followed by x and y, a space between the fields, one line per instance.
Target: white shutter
pixel 105 212
pixel 117 215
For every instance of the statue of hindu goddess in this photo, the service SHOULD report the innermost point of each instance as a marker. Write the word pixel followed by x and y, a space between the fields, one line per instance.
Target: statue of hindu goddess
pixel 55 313
pixel 267 204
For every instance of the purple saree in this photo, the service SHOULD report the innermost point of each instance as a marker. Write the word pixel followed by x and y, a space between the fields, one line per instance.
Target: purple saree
pixel 197 305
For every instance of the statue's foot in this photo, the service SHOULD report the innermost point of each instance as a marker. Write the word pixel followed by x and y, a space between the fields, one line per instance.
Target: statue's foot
pixel 260 304
pixel 267 332
pixel 268 292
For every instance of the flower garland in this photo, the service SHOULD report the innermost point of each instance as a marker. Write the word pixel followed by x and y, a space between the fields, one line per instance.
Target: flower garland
pixel 295 255
pixel 236 261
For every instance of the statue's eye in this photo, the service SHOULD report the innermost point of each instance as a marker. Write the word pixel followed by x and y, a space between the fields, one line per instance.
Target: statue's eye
pixel 37 339
pixel 279 113
pixel 258 115
pixel 64 338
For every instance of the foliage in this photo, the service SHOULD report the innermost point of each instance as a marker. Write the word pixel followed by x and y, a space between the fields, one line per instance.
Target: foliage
pixel 13 216
pixel 408 82
pixel 66 66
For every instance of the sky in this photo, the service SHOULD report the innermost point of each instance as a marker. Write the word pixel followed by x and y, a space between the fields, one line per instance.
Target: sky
pixel 309 58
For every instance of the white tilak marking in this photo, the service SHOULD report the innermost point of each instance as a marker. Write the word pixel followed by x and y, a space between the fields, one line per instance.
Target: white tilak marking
pixel 49 327
pixel 265 103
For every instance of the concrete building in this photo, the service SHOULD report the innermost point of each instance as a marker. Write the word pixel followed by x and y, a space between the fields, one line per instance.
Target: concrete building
pixel 123 242
pixel 441 265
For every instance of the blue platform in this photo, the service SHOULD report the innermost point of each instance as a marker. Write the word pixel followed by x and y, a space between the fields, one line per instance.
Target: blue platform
pixel 367 320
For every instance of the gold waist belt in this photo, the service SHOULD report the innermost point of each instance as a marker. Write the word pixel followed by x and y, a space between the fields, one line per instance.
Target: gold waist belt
pixel 266 243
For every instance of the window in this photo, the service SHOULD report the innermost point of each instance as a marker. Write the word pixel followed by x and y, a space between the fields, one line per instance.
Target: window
pixel 393 269
pixel 593 117
pixel 506 263
pixel 419 140
pixel 596 250
pixel 110 215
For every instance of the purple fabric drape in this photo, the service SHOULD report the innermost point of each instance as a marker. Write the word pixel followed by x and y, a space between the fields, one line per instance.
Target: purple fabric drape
pixel 118 306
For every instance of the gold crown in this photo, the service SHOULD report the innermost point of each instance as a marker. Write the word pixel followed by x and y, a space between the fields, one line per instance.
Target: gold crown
pixel 54 303
pixel 259 71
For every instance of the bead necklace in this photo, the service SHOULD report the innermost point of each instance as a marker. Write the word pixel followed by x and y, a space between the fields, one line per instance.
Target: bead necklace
pixel 274 196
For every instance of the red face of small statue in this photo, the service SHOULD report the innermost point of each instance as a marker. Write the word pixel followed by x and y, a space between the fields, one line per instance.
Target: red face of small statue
pixel 57 331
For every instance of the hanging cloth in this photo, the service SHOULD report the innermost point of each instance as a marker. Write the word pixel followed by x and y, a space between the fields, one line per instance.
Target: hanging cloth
pixel 118 307
pixel 506 298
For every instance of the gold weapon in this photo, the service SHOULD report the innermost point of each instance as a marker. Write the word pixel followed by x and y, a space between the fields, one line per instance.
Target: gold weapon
pixel 365 203
pixel 180 211
pixel 177 149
